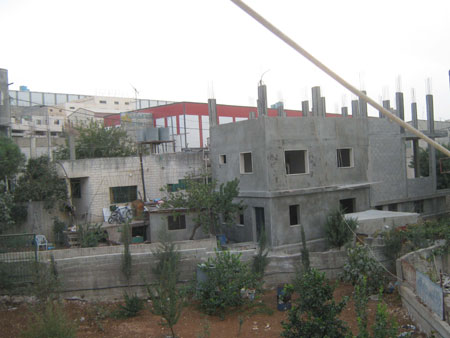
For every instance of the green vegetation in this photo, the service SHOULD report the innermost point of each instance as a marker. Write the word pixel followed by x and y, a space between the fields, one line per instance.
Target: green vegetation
pixel 260 261
pixel 58 231
pixel 51 322
pixel 90 235
pixel 40 182
pixel 362 266
pixel 213 205
pixel 95 140
pixel 226 276
pixel 401 240
pixel 11 159
pixel 339 229
pixel 315 313
pixel 385 325
pixel 131 308
pixel 167 299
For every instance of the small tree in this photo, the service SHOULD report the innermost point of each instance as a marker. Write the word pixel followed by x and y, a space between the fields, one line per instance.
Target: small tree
pixel 40 182
pixel 212 206
pixel 339 229
pixel 260 260
pixel 6 209
pixel 361 265
pixel 314 314
pixel 11 159
pixel 167 299
pixel 385 325
pixel 94 140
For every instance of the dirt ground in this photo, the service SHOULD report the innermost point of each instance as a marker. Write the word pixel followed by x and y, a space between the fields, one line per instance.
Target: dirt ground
pixel 92 321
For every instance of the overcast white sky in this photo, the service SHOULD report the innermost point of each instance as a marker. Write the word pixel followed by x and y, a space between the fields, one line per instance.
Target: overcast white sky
pixel 183 50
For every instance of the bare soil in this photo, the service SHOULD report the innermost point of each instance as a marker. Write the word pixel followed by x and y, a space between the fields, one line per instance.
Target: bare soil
pixel 93 321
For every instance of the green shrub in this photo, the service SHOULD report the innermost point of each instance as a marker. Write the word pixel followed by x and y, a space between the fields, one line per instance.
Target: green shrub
pixel 385 325
pixel 58 231
pixel 226 276
pixel 393 243
pixel 362 265
pixel 167 299
pixel 361 298
pixel 338 229
pixel 90 235
pixel 132 305
pixel 314 314
pixel 51 322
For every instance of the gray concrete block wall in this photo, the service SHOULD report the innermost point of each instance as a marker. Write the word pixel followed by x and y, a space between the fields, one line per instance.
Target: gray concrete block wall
pixel 100 174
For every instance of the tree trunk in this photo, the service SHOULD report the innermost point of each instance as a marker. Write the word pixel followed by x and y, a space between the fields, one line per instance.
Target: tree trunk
pixel 194 231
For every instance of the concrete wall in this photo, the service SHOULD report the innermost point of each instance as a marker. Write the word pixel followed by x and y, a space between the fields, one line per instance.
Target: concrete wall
pixel 100 174
pixel 423 262
pixel 159 221
pixel 95 273
pixel 269 186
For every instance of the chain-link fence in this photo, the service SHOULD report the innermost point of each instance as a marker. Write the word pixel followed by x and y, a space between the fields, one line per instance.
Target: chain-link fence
pixel 18 255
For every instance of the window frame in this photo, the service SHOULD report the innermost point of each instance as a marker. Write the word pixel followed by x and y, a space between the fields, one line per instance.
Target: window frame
pixel 242 163
pixel 179 221
pixel 222 159
pixel 305 158
pixel 113 194
pixel 351 157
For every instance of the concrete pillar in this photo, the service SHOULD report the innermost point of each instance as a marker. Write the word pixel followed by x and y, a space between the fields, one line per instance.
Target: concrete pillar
pixel 322 107
pixel 252 115
pixel 305 108
pixel 430 113
pixel 344 111
pixel 262 100
pixel 212 112
pixel 386 105
pixel 400 108
pixel 355 108
pixel 415 122
pixel 5 111
pixel 280 110
pixel 72 155
pixel 363 106
pixel 415 145
pixel 33 152
pixel 315 101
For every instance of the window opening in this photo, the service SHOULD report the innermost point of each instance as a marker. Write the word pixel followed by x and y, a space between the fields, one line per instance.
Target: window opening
pixel 222 159
pixel 347 205
pixel 123 194
pixel 294 214
pixel 345 158
pixel 246 163
pixel 296 162
pixel 176 222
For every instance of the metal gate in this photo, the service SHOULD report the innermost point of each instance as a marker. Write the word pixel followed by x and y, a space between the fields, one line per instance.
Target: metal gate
pixel 18 256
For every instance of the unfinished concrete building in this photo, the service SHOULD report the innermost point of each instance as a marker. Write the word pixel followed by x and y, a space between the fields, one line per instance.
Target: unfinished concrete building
pixel 294 171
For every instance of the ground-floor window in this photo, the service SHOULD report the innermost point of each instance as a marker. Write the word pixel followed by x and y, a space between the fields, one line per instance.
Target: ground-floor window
pixel 176 222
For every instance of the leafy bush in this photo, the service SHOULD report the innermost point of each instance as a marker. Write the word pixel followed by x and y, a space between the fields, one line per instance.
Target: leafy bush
pixel 362 265
pixel 393 242
pixel 314 314
pixel 226 276
pixel 91 235
pixel 132 305
pixel 58 231
pixel 338 229
pixel 50 323
pixel 361 298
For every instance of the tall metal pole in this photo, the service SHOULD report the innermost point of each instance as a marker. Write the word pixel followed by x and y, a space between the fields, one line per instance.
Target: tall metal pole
pixel 336 77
